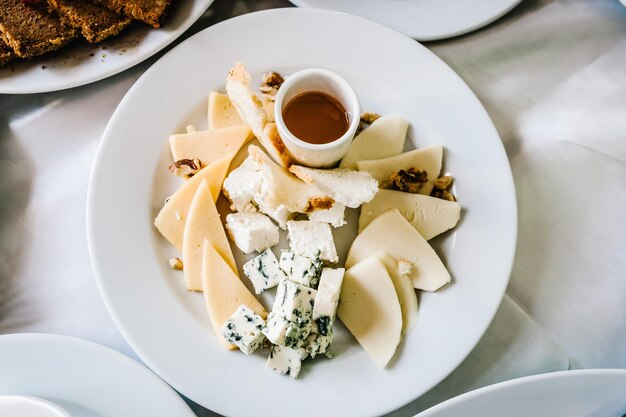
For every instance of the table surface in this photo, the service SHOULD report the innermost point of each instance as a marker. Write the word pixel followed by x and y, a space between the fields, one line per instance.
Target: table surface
pixel 551 75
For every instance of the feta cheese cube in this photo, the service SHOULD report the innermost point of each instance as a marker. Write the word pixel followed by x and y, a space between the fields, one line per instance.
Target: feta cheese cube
pixel 301 269
pixel 241 185
pixel 317 344
pixel 264 271
pixel 335 216
pixel 243 329
pixel 312 239
pixel 286 361
pixel 327 298
pixel 252 231
pixel 281 331
pixel 294 302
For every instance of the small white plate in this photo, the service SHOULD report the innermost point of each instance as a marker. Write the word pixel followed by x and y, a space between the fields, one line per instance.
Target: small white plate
pixel 169 327
pixel 83 63
pixel 83 378
pixel 424 20
pixel 581 393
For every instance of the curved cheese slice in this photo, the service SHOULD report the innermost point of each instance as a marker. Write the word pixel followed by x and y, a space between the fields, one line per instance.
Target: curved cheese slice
pixel 209 146
pixel 429 215
pixel 428 159
pixel 223 291
pixel 221 112
pixel 203 224
pixel 370 309
pixel 405 291
pixel 392 233
pixel 383 138
pixel 172 218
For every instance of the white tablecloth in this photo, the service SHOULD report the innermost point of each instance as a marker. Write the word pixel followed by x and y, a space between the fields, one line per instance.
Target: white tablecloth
pixel 552 75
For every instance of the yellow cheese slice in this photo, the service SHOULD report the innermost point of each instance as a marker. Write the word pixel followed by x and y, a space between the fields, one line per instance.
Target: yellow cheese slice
pixel 172 218
pixel 203 223
pixel 429 215
pixel 209 146
pixel 221 112
pixel 405 291
pixel 428 159
pixel 223 291
pixel 392 233
pixel 370 309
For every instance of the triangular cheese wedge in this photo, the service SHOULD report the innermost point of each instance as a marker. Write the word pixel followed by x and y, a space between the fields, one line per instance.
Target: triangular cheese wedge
pixel 209 146
pixel 203 224
pixel 172 218
pixel 223 291
pixel 221 112
pixel 392 233
pixel 427 158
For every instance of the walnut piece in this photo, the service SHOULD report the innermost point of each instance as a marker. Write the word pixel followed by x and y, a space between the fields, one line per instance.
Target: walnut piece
pixel 444 182
pixel 410 180
pixel 176 263
pixel 444 195
pixel 186 168
pixel 270 83
pixel 369 118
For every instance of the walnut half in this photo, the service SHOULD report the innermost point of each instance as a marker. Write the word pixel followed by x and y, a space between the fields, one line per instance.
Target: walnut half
pixel 410 180
pixel 442 187
pixel 186 168
pixel 270 83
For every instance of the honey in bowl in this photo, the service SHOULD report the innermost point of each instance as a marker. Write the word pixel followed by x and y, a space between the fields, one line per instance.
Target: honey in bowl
pixel 316 117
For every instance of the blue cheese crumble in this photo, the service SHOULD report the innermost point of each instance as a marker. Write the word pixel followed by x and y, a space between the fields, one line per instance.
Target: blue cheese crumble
pixel 327 298
pixel 281 331
pixel 286 361
pixel 317 344
pixel 243 329
pixel 301 269
pixel 264 271
pixel 294 302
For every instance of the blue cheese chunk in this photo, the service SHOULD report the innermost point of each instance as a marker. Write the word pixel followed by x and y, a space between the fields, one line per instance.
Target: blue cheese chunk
pixel 286 361
pixel 294 302
pixel 281 331
pixel 301 269
pixel 264 271
pixel 327 298
pixel 317 344
pixel 243 329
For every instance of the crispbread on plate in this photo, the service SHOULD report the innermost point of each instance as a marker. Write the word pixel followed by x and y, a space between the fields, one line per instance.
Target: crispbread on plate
pixel 151 12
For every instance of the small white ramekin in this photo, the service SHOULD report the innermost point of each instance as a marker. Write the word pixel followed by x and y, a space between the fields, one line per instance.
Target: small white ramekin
pixel 316 79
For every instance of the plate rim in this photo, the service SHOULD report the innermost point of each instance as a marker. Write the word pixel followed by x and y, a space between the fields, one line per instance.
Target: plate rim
pixel 498 146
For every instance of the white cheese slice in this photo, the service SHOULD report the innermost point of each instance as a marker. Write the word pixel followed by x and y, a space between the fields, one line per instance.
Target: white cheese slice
pixel 429 215
pixel 370 309
pixel 427 158
pixel 203 224
pixel 392 233
pixel 172 218
pixel 405 291
pixel 221 112
pixel 224 292
pixel 383 138
pixel 327 298
pixel 209 146
pixel 312 239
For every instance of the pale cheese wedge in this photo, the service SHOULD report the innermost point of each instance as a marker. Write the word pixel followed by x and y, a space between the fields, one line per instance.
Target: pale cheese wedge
pixel 203 224
pixel 429 215
pixel 370 309
pixel 405 291
pixel 383 138
pixel 172 218
pixel 427 158
pixel 209 146
pixel 222 114
pixel 223 291
pixel 392 233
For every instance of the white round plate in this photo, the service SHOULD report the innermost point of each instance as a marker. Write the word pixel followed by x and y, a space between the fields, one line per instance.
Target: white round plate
pixel 168 327
pixel 83 378
pixel 83 63
pixel 581 393
pixel 424 20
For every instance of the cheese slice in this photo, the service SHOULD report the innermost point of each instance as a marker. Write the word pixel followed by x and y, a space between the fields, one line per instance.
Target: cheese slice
pixel 405 291
pixel 223 291
pixel 203 224
pixel 428 159
pixel 221 112
pixel 370 309
pixel 392 233
pixel 172 218
pixel 429 215
pixel 383 138
pixel 209 146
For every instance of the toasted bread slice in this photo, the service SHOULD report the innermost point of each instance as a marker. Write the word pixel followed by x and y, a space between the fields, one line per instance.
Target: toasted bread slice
pixel 30 30
pixel 252 112
pixel 6 53
pixel 95 22
pixel 152 12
